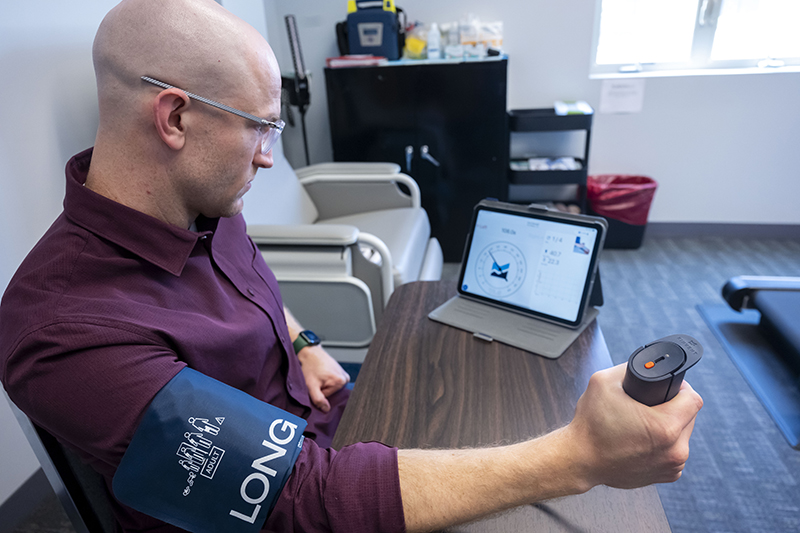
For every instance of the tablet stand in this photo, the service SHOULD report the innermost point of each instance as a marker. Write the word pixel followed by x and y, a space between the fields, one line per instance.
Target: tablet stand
pixel 489 323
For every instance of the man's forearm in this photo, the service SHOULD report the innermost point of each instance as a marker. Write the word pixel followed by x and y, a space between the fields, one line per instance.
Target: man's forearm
pixel 292 324
pixel 441 488
pixel 612 440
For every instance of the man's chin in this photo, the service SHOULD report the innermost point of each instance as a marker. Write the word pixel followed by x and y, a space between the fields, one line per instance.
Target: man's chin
pixel 231 211
pixel 235 211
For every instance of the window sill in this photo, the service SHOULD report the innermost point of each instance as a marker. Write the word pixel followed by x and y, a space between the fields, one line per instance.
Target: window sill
pixel 693 72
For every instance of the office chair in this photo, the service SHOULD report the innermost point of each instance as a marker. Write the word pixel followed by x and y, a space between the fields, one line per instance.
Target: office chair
pixel 81 491
pixel 339 237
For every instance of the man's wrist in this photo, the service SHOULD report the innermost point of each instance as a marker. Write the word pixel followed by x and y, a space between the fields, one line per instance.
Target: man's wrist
pixel 557 464
pixel 573 459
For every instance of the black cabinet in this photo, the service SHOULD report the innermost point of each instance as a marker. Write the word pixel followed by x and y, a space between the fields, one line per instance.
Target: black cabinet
pixel 444 123
pixel 546 120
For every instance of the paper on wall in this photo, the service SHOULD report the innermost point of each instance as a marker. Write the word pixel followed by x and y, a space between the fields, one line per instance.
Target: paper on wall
pixel 622 96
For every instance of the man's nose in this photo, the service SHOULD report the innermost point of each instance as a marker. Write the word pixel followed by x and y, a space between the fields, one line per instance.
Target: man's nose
pixel 264 160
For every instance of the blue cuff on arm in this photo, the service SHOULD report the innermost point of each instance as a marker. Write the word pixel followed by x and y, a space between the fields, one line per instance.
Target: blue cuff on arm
pixel 208 457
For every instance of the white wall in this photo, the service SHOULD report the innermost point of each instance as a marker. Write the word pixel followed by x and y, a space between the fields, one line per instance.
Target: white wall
pixel 47 113
pixel 723 148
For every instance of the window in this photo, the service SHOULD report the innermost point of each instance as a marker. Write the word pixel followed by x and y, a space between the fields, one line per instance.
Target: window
pixel 669 37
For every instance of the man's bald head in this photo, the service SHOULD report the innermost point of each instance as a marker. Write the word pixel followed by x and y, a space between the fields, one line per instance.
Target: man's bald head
pixel 157 150
pixel 195 44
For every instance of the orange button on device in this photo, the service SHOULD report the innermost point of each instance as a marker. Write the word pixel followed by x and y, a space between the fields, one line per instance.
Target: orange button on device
pixel 648 365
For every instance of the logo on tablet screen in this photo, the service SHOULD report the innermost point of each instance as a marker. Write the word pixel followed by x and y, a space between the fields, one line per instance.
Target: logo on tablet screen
pixel 500 269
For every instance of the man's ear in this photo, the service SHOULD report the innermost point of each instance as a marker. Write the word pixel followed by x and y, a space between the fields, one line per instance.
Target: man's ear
pixel 168 109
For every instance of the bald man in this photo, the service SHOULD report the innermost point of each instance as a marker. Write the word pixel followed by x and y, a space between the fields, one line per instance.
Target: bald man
pixel 148 280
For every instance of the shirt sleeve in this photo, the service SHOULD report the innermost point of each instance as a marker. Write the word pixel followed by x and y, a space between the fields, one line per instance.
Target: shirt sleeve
pixel 354 490
pixel 92 397
pixel 89 383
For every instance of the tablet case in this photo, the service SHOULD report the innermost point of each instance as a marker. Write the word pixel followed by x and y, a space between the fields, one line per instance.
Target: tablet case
pixel 489 323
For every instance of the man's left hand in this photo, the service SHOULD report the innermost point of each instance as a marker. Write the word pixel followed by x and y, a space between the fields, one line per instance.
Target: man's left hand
pixel 324 376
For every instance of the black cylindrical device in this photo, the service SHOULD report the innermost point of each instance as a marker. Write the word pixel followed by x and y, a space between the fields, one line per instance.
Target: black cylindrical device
pixel 655 371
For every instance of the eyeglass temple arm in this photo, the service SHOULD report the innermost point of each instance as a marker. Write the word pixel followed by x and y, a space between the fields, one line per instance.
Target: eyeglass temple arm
pixel 212 103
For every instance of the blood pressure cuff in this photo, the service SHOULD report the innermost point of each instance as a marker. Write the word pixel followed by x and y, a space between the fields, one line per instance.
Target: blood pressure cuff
pixel 208 458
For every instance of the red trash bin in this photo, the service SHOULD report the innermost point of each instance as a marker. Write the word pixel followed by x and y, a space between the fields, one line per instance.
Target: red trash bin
pixel 624 201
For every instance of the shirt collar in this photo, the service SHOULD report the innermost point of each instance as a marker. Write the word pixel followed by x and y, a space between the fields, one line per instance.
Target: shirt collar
pixel 164 245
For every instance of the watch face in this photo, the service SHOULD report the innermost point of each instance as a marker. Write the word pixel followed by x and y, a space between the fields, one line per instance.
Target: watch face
pixel 310 337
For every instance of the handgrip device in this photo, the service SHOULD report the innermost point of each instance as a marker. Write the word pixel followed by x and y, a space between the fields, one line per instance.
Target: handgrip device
pixel 655 371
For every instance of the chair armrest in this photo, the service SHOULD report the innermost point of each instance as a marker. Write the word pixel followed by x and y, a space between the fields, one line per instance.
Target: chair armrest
pixel 336 195
pixel 348 169
pixel 387 276
pixel 303 235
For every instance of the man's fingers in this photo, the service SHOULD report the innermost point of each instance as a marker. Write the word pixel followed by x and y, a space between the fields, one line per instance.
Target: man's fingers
pixel 318 399
pixel 334 383
pixel 615 373
pixel 617 370
pixel 687 431
pixel 685 404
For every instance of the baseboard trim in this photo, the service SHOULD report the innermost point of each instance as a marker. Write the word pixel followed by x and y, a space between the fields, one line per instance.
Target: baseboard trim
pixel 24 501
pixel 700 229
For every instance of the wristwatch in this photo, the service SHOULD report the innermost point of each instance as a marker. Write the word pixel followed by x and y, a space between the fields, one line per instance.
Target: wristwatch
pixel 306 338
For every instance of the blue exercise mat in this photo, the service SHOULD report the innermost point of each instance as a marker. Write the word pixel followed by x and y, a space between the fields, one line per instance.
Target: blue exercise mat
pixel 774 380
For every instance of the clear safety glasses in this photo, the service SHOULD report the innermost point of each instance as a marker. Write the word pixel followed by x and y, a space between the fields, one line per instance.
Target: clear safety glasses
pixel 270 131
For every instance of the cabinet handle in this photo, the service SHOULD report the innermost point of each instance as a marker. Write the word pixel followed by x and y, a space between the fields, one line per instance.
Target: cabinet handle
pixel 425 154
pixel 409 155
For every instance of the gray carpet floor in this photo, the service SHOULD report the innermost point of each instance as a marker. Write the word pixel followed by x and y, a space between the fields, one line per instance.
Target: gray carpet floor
pixel 742 476
pixel 49 517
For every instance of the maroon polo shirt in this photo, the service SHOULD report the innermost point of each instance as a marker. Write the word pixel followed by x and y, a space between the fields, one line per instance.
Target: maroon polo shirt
pixel 112 303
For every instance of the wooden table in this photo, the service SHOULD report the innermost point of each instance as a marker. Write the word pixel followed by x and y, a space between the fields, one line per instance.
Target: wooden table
pixel 427 385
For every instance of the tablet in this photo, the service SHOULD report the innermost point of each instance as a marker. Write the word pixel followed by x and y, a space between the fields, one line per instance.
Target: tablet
pixel 532 260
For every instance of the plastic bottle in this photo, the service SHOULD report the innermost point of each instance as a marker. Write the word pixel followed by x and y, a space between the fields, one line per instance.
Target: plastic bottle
pixel 452 42
pixel 434 42
pixel 469 30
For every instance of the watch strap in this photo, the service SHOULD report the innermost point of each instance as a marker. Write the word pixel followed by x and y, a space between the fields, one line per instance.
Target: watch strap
pixel 302 341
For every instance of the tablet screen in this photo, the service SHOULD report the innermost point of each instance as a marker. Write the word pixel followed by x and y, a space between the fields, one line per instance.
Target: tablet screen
pixel 536 264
